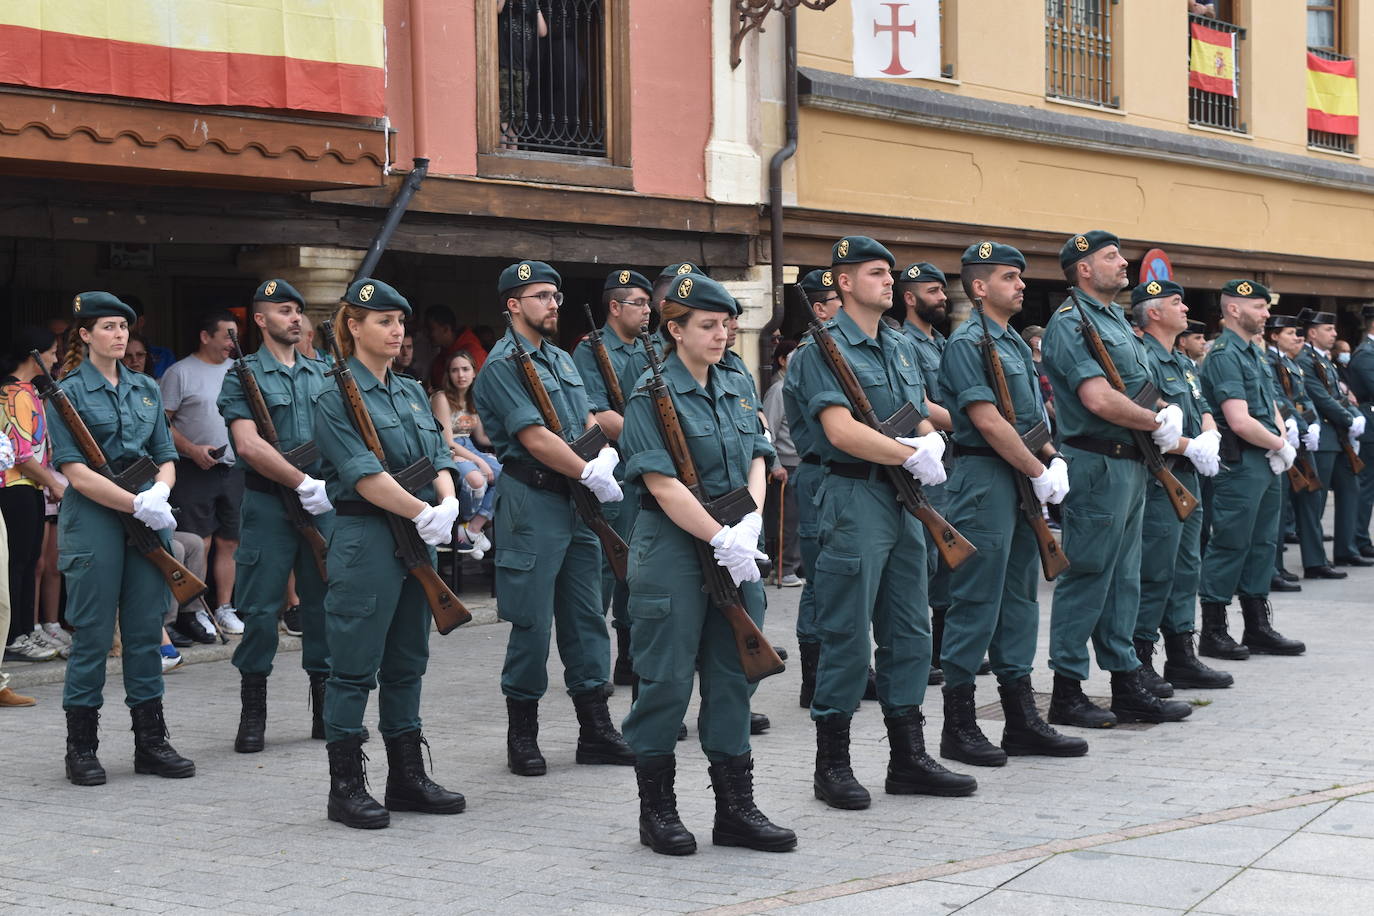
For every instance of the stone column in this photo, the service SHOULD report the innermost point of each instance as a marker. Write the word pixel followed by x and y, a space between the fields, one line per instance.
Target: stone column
pixel 753 287
pixel 959 307
pixel 734 167
pixel 320 274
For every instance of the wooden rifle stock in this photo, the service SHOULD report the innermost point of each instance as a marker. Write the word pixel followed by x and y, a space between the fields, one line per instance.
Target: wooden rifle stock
pixel 1302 476
pixel 1356 463
pixel 603 364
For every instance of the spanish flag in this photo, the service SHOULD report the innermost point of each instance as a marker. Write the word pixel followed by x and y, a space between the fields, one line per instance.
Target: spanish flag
pixel 306 55
pixel 1333 101
pixel 1212 60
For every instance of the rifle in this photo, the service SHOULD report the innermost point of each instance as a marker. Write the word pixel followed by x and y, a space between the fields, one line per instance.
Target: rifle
pixel 185 586
pixel 300 457
pixel 1183 501
pixel 1052 559
pixel 603 364
pixel 411 550
pixel 585 446
pixel 1356 463
pixel 954 548
pixel 756 656
pixel 1301 476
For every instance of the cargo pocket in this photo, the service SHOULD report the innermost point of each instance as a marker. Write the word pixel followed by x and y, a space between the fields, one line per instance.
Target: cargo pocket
pixel 656 654
pixel 1086 544
pixel 516 598
pixel 74 568
pixel 247 556
pixel 343 600
pixel 839 604
pixel 974 584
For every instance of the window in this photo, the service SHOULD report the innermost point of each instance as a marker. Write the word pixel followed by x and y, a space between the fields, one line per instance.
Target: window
pixel 948 35
pixel 1078 51
pixel 1214 59
pixel 1325 37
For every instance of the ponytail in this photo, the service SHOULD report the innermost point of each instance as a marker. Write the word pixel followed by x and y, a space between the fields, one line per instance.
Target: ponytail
pixel 347 346
pixel 76 348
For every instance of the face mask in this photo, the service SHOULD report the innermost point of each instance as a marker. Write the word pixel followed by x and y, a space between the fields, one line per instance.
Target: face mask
pixel 1343 359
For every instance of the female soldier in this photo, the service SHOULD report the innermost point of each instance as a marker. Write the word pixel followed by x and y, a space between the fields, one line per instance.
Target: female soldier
pixel 376 615
pixel 123 411
pixel 672 627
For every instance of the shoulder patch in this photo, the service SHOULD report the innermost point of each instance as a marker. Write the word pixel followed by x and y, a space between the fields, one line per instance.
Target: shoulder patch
pixel 1065 309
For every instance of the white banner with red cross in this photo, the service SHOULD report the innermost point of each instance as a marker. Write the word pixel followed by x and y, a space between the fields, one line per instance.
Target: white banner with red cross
pixel 896 38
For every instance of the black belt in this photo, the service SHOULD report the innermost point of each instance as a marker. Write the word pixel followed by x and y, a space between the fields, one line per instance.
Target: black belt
pixel 258 483
pixel 1109 447
pixel 982 451
pixel 858 470
pixel 810 459
pixel 357 507
pixel 537 476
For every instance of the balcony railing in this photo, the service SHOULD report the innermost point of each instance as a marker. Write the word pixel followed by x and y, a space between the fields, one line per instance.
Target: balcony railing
pixel 553 86
pixel 1078 51
pixel 1324 140
pixel 1213 109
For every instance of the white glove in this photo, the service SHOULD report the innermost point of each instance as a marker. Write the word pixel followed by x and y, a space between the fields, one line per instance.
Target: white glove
pixel 151 508
pixel 1313 437
pixel 1170 429
pixel 1281 460
pixel 1053 485
pixel 599 476
pixel 1357 426
pixel 750 526
pixel 924 464
pixel 435 523
pixel 313 498
pixel 1290 432
pixel 1203 450
pixel 1354 445
pixel 768 434
pixel 737 550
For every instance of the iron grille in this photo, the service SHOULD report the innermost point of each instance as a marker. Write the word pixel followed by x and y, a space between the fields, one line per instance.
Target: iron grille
pixel 552 76
pixel 1078 51
pixel 1321 139
pixel 1213 109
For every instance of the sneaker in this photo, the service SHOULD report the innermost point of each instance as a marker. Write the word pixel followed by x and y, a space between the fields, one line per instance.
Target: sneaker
pixel 206 624
pixel 462 541
pixel 477 539
pixel 792 580
pixel 228 620
pixel 25 649
pixel 41 637
pixel 291 620
pixel 171 659
pixel 11 699
pixel 55 633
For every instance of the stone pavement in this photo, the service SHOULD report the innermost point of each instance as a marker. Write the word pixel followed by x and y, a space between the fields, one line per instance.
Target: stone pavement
pixel 1172 817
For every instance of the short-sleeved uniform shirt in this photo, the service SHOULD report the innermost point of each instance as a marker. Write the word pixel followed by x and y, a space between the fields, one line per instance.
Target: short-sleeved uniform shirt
pixel 801 426
pixel 505 405
pixel 289 393
pixel 1069 362
pixel 622 355
pixel 963 373
pixel 930 348
pixel 1235 369
pixel 127 421
pixel 1178 383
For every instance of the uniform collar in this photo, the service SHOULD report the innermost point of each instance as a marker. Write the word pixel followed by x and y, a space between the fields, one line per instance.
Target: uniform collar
pixel 852 333
pixel 676 374
pixel 1081 296
pixel 1156 347
pixel 989 327
pixel 94 381
pixel 1227 332
pixel 363 375
pixel 613 341
pixel 933 336
pixel 271 364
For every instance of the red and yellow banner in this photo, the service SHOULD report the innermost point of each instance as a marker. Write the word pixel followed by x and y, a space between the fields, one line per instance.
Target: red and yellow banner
pixel 1333 101
pixel 308 55
pixel 1212 60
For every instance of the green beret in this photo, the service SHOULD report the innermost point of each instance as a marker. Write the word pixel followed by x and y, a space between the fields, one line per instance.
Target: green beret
pixel 921 272
pixel 278 291
pixel 857 249
pixel 1080 246
pixel 100 305
pixel 1155 289
pixel 680 268
pixel 818 281
pixel 1246 289
pixel 1282 321
pixel 368 293
pixel 993 253
pixel 627 279
pixel 698 291
pixel 525 273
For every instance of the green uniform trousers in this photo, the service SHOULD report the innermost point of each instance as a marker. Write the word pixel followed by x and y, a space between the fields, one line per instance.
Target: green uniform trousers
pixel 548 573
pixel 1099 596
pixel 1341 485
pixel 1287 521
pixel 269 550
pixel 807 481
pixel 1245 522
pixel 937 573
pixel 1308 508
pixel 376 626
pixel 621 515
pixel 993 609
pixel 870 575
pixel 674 630
pixel 1170 561
pixel 106 577
pixel 1365 480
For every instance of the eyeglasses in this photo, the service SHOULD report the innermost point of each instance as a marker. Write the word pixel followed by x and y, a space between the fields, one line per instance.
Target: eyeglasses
pixel 546 297
pixel 634 303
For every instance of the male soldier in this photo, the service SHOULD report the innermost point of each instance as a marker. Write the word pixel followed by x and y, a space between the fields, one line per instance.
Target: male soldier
pixel 1360 374
pixel 548 563
pixel 870 571
pixel 271 549
pixel 993 607
pixel 1339 421
pixel 626 299
pixel 1170 550
pixel 1192 343
pixel 1245 502
pixel 1099 596
pixel 1282 332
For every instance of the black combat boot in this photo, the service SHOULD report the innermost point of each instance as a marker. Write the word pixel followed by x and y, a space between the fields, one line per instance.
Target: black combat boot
pixel 910 770
pixel 253 717
pixel 1027 734
pixel 759 723
pixel 597 740
pixel 1260 635
pixel 522 738
pixel 810 658
pixel 1215 641
pixel 961 739
pixel 152 753
pixel 1132 701
pixel 349 801
pixel 83 767
pixel 624 673
pixel 1145 651
pixel 317 680
pixel 1183 669
pixel 660 828
pixel 739 822
pixel 1070 706
pixel 834 782
pixel 408 788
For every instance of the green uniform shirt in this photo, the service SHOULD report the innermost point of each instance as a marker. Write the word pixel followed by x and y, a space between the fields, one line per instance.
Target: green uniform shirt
pixel 1336 415
pixel 799 425
pixel 126 421
pixel 929 349
pixel 1236 369
pixel 1069 362
pixel 962 370
pixel 289 393
pixel 405 425
pixel 735 363
pixel 1178 383
pixel 622 355
pixel 1360 374
pixel 505 405
pixel 720 422
pixel 886 368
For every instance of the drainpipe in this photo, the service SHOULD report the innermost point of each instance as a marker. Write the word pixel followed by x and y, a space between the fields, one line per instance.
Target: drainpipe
pixel 419 85
pixel 789 149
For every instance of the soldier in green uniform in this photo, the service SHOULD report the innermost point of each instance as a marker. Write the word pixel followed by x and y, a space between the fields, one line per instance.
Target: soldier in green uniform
pixel 1099 596
pixel 377 618
pixel 1171 553
pixel 993 607
pixel 1283 334
pixel 1244 515
pixel 270 548
pixel 674 628
pixel 1360 377
pixel 548 562
pixel 105 577
pixel 870 570
pixel 625 297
